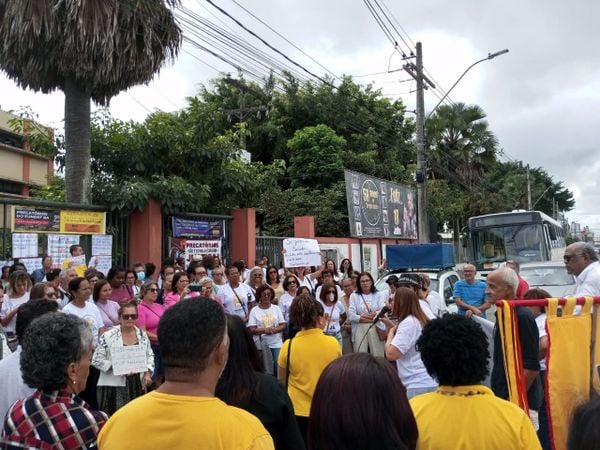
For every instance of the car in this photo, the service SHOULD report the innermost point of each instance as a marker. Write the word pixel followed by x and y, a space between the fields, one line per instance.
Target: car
pixel 442 282
pixel 551 276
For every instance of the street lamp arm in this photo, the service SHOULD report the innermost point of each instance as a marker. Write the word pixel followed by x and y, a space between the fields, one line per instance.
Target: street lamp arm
pixel 487 58
pixel 540 197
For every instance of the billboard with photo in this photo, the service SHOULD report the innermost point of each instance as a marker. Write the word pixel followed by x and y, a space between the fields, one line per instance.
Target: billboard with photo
pixel 380 209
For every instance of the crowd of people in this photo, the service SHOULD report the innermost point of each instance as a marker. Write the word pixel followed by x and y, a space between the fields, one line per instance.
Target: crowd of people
pixel 267 357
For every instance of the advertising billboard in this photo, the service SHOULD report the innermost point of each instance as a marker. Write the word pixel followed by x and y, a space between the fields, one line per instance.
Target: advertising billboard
pixel 380 209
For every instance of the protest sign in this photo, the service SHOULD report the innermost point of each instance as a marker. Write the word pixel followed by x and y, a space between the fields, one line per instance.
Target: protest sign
pixel 102 244
pixel 58 247
pixel 24 245
pixel 195 249
pixel 299 252
pixel 31 264
pixel 128 359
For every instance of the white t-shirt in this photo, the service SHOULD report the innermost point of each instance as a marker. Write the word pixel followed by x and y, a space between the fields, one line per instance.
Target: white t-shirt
pixel 365 303
pixel 435 303
pixel 12 386
pixel 332 317
pixel 339 290
pixel 267 318
pixel 426 309
pixel 284 305
pixel 235 301
pixel 411 369
pixel 8 305
pixel 90 313
pixel 541 324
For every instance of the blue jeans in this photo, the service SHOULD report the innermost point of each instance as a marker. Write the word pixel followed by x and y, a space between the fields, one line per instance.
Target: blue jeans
pixel 274 354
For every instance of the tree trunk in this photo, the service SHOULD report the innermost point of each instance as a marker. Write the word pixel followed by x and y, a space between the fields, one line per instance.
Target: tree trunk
pixel 77 143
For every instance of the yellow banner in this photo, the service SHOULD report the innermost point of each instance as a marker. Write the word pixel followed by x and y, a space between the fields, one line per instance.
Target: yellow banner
pixel 82 222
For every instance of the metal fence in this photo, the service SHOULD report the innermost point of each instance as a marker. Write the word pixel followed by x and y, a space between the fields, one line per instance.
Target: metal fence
pixel 117 225
pixel 270 246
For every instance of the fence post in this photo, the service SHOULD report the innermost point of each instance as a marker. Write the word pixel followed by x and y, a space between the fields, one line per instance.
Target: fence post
pixel 243 235
pixel 145 235
pixel 304 227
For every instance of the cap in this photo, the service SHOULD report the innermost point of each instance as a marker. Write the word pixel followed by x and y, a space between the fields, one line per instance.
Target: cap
pixel 411 279
pixel 392 279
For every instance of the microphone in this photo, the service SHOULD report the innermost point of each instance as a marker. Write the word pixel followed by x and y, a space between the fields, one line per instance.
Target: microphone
pixel 380 314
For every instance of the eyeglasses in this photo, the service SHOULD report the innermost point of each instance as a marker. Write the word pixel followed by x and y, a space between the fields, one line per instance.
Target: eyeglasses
pixel 153 290
pixel 200 273
pixel 272 271
pixel 568 258
pixel 129 316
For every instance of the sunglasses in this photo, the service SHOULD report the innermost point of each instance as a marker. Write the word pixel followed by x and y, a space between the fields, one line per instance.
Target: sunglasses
pixel 330 292
pixel 272 271
pixel 51 294
pixel 293 282
pixel 129 316
pixel 257 275
pixel 153 290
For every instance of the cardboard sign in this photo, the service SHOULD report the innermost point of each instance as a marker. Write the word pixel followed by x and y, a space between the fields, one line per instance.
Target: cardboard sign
pixel 299 252
pixel 128 359
pixel 24 245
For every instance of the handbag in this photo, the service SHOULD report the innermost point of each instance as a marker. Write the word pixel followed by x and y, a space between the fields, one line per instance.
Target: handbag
pixel 287 366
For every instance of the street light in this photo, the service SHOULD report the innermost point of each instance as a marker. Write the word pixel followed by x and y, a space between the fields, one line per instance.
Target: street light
pixel 489 56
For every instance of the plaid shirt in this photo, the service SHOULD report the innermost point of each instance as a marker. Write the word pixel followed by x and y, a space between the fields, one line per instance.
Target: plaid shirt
pixel 57 420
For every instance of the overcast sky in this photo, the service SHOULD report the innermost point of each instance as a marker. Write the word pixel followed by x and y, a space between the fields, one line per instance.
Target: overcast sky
pixel 542 99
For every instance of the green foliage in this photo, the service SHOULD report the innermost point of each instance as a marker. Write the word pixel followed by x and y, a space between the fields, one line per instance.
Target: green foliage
pixel 54 191
pixel 315 157
pixel 39 138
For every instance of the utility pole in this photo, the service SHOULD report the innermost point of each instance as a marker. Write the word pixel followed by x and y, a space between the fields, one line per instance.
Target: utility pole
pixel 416 71
pixel 242 112
pixel 528 190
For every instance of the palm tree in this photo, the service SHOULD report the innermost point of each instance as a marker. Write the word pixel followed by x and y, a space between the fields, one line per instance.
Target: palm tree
pixel 89 49
pixel 461 146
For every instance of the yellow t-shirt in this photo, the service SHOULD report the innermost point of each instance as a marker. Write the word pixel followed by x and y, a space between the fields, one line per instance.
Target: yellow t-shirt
pixel 164 421
pixel 465 422
pixel 311 352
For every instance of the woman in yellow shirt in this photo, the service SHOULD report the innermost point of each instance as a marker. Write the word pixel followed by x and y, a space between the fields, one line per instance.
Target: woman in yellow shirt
pixel 305 356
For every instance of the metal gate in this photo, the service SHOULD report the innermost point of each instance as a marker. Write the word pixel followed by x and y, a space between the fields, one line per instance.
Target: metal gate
pixel 272 247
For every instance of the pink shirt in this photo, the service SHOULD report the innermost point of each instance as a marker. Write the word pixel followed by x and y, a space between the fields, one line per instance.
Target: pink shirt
pixel 109 313
pixel 149 316
pixel 173 298
pixel 121 295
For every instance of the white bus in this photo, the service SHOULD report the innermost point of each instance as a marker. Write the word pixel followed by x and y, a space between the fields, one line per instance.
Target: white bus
pixel 523 236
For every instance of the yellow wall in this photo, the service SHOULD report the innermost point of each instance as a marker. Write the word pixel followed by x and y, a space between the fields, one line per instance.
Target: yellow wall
pixel 11 165
pixel 38 171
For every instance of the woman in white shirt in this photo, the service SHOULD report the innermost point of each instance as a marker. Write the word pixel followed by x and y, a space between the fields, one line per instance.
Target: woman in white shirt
pixel 266 323
pixel 335 312
pixel 400 345
pixel 365 303
pixel 19 285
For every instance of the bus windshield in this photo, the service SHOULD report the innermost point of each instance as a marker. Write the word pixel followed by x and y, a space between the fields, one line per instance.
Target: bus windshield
pixel 495 245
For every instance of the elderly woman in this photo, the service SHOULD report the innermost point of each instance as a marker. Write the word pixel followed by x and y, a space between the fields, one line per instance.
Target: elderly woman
pixel 19 285
pixel 55 360
pixel 109 310
pixel 255 279
pixel 207 291
pixel 114 391
pixel 149 314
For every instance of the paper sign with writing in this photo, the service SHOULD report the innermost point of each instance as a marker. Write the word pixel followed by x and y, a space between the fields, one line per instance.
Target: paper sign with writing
pixel 24 245
pixel 299 252
pixel 128 359
pixel 58 247
pixel 32 264
pixel 102 245
pixel 198 248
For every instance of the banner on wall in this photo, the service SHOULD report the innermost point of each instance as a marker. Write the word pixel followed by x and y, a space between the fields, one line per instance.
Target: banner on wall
pixel 193 228
pixel 58 247
pixel 196 249
pixel 380 209
pixel 41 220
pixel 82 222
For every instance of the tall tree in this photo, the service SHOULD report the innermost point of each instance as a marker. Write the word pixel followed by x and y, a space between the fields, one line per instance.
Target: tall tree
pixel 89 49
pixel 461 143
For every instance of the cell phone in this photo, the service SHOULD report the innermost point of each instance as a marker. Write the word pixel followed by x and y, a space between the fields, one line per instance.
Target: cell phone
pixel 195 287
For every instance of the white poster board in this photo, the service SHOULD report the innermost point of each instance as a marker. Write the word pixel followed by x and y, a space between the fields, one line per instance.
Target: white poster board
pixel 298 252
pixel 101 263
pixel 32 264
pixel 24 245
pixel 58 247
pixel 488 329
pixel 102 244
pixel 128 359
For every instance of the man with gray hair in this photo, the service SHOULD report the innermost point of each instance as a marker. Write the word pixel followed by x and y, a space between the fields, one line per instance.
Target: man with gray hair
pixel 581 260
pixel 65 277
pixel 502 284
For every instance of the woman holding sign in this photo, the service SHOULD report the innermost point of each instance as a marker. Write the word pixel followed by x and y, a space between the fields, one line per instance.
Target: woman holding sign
pixel 123 375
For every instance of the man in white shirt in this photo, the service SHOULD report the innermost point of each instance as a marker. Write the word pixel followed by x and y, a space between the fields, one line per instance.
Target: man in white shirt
pixel 581 260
